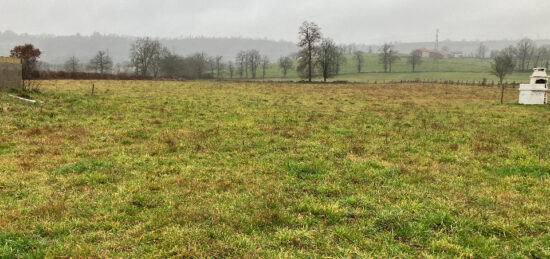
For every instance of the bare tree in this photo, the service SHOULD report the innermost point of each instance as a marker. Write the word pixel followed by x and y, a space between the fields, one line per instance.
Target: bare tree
pixel 309 35
pixel 157 58
pixel 525 49
pixel 212 66
pixel 145 53
pixel 230 68
pixel 286 63
pixel 101 63
pixel 481 51
pixel 384 56
pixel 503 64
pixel 359 57
pixel 327 58
pixel 265 63
pixel 340 59
pixel 545 56
pixel 387 57
pixel 539 55
pixel 254 61
pixel 240 59
pixel 510 51
pixel 219 66
pixel 199 64
pixel 246 64
pixel 415 59
pixel 72 64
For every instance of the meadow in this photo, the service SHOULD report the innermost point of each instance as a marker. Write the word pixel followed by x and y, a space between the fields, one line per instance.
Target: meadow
pixel 455 69
pixel 229 169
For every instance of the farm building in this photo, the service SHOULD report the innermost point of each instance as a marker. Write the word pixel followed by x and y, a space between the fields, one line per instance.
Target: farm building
pixel 457 54
pixel 427 53
pixel 10 73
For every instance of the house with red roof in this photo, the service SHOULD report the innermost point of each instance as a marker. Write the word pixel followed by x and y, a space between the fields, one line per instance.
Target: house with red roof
pixel 427 53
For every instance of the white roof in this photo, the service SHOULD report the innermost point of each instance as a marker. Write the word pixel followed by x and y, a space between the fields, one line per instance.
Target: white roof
pixel 539 72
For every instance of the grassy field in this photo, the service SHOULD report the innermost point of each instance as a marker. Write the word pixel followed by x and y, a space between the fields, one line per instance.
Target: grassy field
pixel 213 169
pixel 423 76
pixel 448 69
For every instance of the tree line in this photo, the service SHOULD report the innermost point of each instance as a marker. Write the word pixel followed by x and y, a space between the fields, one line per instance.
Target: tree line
pixel 318 56
pixel 526 55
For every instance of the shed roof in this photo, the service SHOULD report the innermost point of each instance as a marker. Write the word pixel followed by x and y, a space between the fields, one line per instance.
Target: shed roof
pixel 443 53
pixel 10 60
pixel 539 72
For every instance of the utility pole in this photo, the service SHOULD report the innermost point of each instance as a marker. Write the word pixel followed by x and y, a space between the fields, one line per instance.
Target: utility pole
pixel 437 39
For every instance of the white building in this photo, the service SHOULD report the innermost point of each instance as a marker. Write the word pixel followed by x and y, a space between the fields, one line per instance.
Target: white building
pixel 535 92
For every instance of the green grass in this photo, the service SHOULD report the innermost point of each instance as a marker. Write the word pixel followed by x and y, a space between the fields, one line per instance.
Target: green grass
pixel 456 69
pixel 464 77
pixel 215 169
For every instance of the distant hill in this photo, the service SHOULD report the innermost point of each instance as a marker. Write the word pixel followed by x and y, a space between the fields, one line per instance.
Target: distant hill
pixel 57 49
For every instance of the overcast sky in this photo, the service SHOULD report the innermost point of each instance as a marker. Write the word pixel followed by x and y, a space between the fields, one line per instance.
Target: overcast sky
pixel 346 21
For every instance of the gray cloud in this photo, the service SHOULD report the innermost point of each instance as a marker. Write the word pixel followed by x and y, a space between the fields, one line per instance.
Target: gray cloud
pixel 361 21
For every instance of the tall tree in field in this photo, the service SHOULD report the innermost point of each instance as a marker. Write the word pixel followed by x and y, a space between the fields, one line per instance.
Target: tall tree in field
pixel 525 49
pixel 157 59
pixel 212 65
pixel 359 58
pixel 253 61
pixel 199 64
pixel 309 36
pixel 265 64
pixel 539 55
pixel 327 58
pixel 240 60
pixel 387 57
pixel 503 64
pixel 341 59
pixel 101 63
pixel 393 58
pixel 545 56
pixel 219 66
pixel 415 59
pixel 510 51
pixel 72 64
pixel 28 55
pixel 384 56
pixel 286 63
pixel 231 69
pixel 143 55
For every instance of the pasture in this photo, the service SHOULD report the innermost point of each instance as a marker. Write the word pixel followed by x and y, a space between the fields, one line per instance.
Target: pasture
pixel 455 69
pixel 221 169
